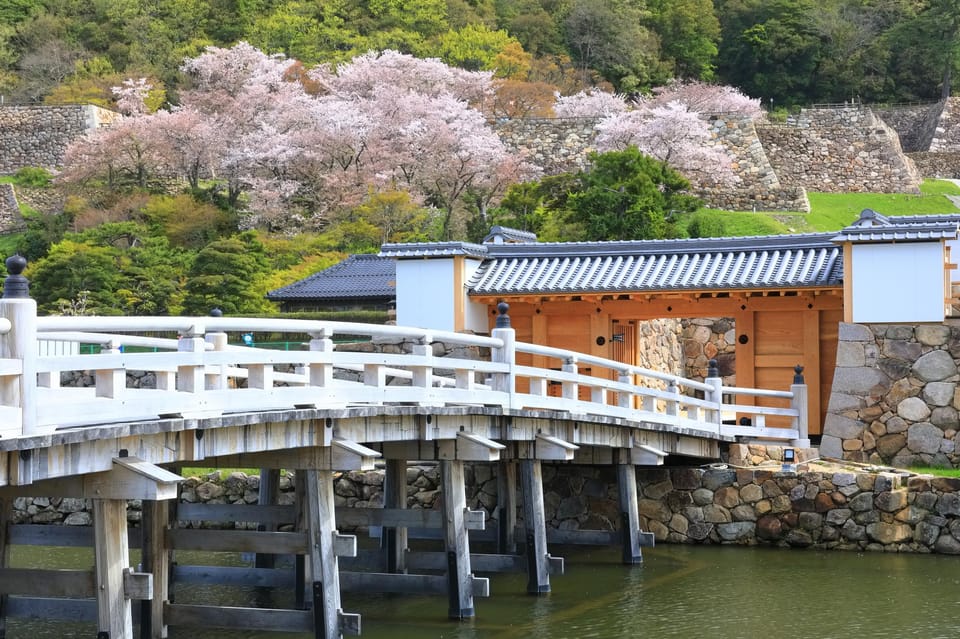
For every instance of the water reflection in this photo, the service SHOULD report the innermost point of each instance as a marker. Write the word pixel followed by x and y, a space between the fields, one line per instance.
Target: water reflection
pixel 680 591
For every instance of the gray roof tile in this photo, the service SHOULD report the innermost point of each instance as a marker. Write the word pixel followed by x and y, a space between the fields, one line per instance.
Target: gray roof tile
pixel 357 277
pixel 874 227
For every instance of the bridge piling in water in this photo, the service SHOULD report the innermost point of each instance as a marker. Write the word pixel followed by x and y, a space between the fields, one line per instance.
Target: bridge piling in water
pixel 535 527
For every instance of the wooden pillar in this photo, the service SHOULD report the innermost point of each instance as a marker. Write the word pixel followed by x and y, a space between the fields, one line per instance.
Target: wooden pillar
pixel 394 539
pixel 301 595
pixel 506 507
pixel 629 514
pixel 155 558
pixel 535 527
pixel 5 506
pixel 324 570
pixel 457 544
pixel 114 616
pixel 269 490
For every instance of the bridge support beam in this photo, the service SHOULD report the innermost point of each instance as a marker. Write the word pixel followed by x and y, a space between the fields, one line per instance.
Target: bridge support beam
pixel 5 506
pixel 457 544
pixel 506 507
pixel 322 551
pixel 394 538
pixel 535 527
pixel 269 491
pixel 155 557
pixel 629 513
pixel 112 558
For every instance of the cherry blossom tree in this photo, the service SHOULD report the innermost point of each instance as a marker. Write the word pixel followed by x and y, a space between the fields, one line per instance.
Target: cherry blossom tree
pixel 673 134
pixel 702 97
pixel 590 104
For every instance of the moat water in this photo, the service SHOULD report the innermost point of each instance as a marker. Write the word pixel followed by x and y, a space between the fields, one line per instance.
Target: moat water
pixel 679 591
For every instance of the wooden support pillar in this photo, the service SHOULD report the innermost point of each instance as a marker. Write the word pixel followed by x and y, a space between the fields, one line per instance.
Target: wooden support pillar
pixel 629 514
pixel 457 544
pixel 506 507
pixel 268 496
pixel 5 506
pixel 394 538
pixel 535 527
pixel 301 595
pixel 114 618
pixel 155 558
pixel 324 570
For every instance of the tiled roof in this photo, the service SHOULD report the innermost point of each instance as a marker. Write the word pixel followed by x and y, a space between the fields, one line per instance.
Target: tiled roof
pixel 793 261
pixel 432 249
pixel 503 234
pixel 874 227
pixel 357 277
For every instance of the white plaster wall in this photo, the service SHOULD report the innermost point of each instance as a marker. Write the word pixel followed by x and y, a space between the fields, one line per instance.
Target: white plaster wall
pixel 425 293
pixel 475 315
pixel 901 282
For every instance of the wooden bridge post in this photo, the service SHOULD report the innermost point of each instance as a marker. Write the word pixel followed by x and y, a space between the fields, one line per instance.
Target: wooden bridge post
pixel 112 558
pixel 394 538
pixel 20 343
pixel 629 512
pixel 457 544
pixel 535 527
pixel 507 354
pixel 268 495
pixel 5 506
pixel 715 394
pixel 321 553
pixel 506 506
pixel 801 405
pixel 155 557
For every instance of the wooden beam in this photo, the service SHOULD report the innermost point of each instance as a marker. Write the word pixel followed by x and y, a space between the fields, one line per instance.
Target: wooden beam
pixel 394 538
pixel 155 558
pixel 535 527
pixel 402 517
pixel 423 560
pixel 5 517
pixel 554 448
pixel 237 541
pixel 112 558
pixel 268 619
pixel 506 506
pixel 629 514
pixel 34 582
pixel 407 584
pixel 469 447
pixel 130 478
pixel 266 497
pixel 457 544
pixel 644 455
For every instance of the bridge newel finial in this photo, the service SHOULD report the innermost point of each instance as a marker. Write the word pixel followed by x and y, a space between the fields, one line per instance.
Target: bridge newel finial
pixel 713 369
pixel 16 286
pixel 503 320
pixel 798 375
pixel 216 312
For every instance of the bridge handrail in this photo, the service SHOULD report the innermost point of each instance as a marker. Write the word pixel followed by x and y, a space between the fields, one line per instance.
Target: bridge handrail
pixel 199 372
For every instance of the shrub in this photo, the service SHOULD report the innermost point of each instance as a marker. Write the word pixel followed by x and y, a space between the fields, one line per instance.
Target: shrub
pixel 32 176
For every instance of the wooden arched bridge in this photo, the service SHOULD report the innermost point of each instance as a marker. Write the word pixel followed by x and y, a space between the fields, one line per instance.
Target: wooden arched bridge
pixel 408 394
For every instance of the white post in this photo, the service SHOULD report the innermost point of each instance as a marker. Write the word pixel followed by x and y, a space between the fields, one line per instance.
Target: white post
pixel 715 395
pixel 799 403
pixel 219 340
pixel 19 343
pixel 507 354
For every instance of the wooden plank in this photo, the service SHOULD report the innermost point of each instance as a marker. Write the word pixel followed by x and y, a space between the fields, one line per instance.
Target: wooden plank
pixel 423 560
pixel 267 515
pixel 275 619
pixel 112 558
pixel 129 478
pixel 406 584
pixel 267 497
pixel 84 610
pixel 237 541
pixel 412 518
pixel 234 576
pixel 137 585
pixel 47 583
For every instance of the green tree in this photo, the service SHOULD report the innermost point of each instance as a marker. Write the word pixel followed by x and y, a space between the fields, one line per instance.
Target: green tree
pixel 224 275
pixel 689 33
pixel 628 196
pixel 474 47
pixel 72 270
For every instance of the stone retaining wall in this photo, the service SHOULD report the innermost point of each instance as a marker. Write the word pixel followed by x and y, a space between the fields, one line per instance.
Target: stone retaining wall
pixel 937 165
pixel 915 124
pixel 895 397
pixel 839 150
pixel 39 135
pixel 830 510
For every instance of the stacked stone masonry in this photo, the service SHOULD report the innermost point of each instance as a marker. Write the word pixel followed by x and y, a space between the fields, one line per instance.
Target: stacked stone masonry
pixel 895 396
pixel 843 510
pixel 39 135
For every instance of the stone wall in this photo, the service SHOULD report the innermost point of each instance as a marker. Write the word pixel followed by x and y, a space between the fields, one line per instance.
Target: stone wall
pixel 915 124
pixel 937 165
pixel 841 510
pixel 839 150
pixel 10 218
pixel 710 338
pixel 895 398
pixel 556 145
pixel 39 135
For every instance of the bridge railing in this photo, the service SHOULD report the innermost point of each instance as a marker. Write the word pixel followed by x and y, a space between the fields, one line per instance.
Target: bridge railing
pixel 202 372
